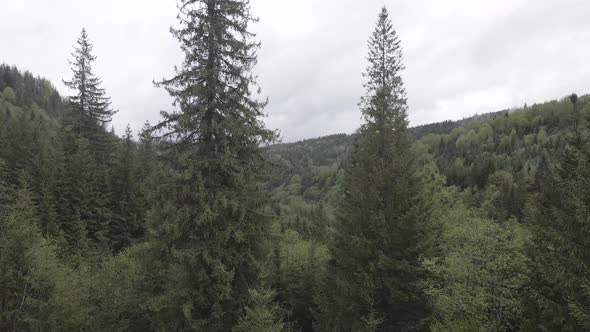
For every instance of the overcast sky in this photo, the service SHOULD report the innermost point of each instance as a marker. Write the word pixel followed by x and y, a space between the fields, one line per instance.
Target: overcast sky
pixel 462 56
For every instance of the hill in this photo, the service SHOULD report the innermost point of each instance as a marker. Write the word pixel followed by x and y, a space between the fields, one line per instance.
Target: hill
pixel 499 149
pixel 25 90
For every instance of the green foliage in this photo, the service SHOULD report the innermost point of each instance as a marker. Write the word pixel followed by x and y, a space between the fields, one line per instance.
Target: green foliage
pixel 298 269
pixel 90 102
pixel 558 214
pixel 500 145
pixel 478 281
pixel 31 275
pixel 8 95
pixel 29 91
pixel 496 175
pixel 261 314
pixel 380 232
pixel 309 170
pixel 209 225
pixel 115 297
pixel 127 223
pixel 455 326
pixel 97 210
pixel 57 226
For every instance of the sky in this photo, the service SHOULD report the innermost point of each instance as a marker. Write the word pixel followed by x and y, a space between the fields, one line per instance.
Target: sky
pixel 462 57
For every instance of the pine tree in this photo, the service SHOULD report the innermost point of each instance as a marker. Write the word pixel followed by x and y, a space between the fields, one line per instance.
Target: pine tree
pixel 83 207
pixel 382 218
pixel 86 205
pixel 210 225
pixel 559 215
pixel 147 168
pixel 127 222
pixel 371 322
pixel 262 313
pixel 45 165
pixel 90 102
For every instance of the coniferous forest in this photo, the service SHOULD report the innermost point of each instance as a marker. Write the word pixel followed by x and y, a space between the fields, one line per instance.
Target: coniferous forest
pixel 204 221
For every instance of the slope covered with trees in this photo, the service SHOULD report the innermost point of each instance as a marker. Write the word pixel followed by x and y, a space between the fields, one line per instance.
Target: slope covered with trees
pixel 468 152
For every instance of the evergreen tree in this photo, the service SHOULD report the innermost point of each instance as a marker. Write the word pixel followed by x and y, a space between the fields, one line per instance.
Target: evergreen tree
pixel 262 313
pixel 87 195
pixel 23 289
pixel 382 217
pixel 127 222
pixel 147 169
pixel 209 224
pixel 82 207
pixel 45 165
pixel 559 215
pixel 90 102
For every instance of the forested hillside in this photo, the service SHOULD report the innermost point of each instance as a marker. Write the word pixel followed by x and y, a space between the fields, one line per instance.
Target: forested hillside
pixel 203 222
pixel 489 163
pixel 493 156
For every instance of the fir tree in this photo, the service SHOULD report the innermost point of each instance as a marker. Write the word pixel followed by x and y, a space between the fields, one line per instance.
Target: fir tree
pixel 85 212
pixel 559 215
pixel 127 222
pixel 90 102
pixel 213 230
pixel 381 219
pixel 89 155
pixel 262 313
pixel 147 169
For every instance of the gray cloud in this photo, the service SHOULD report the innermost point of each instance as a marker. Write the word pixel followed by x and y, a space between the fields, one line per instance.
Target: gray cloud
pixel 462 57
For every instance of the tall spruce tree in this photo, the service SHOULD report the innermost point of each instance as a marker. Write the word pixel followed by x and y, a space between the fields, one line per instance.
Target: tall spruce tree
pixel 210 227
pixel 559 215
pixel 90 102
pixel 89 155
pixel 382 219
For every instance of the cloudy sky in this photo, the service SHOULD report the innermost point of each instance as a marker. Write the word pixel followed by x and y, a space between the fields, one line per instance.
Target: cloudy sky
pixel 462 56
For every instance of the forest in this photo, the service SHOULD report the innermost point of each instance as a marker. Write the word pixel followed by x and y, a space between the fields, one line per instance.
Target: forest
pixel 204 221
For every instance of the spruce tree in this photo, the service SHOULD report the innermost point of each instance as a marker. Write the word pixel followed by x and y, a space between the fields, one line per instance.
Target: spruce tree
pixel 90 106
pixel 86 205
pixel 127 220
pixel 374 273
pixel 262 313
pixel 558 297
pixel 90 102
pixel 147 167
pixel 83 207
pixel 209 224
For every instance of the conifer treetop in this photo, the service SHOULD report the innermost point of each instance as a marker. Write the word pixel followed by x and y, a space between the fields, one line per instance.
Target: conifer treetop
pixel 385 97
pixel 90 98
pixel 215 83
